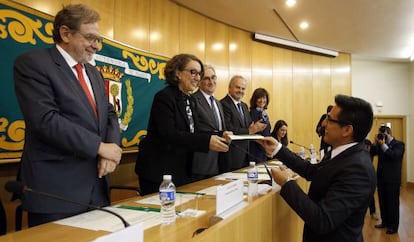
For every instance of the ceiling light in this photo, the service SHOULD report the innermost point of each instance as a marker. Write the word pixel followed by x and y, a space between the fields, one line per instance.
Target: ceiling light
pixel 412 56
pixel 304 25
pixel 290 3
pixel 294 45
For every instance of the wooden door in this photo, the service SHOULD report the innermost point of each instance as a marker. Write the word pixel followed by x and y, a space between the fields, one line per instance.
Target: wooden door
pixel 399 131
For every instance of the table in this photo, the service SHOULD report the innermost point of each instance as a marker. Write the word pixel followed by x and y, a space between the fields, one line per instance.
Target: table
pixel 265 218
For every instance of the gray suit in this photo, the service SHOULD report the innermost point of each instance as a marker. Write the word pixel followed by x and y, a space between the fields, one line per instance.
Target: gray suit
pixel 208 164
pixel 62 132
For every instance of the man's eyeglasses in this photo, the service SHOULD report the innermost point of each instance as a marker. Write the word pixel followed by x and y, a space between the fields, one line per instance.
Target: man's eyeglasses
pixel 210 78
pixel 340 122
pixel 194 72
pixel 91 38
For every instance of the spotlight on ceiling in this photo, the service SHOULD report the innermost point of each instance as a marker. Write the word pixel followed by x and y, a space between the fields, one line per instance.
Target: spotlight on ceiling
pixel 293 45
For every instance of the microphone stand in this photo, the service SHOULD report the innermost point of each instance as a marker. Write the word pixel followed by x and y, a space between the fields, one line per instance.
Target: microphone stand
pixel 18 188
pixel 299 145
pixel 269 182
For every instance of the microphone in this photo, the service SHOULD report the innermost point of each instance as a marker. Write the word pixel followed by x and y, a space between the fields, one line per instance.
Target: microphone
pixel 18 188
pixel 269 182
pixel 299 145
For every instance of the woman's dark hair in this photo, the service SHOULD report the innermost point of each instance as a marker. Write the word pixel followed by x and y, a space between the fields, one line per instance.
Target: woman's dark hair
pixel 358 113
pixel 258 93
pixel 278 125
pixel 73 16
pixel 178 63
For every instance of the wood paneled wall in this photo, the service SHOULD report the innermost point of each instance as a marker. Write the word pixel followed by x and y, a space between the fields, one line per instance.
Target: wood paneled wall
pixel 301 85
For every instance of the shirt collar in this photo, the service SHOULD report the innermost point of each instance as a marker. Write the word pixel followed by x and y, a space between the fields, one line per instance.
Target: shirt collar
pixel 71 62
pixel 207 96
pixel 341 148
pixel 234 101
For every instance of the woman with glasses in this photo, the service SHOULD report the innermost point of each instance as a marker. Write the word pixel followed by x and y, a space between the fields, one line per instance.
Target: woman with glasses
pixel 173 134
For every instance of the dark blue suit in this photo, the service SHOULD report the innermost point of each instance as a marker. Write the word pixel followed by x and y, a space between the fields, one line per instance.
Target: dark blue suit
pixel 239 149
pixel 62 133
pixel 338 196
pixel 389 181
pixel 257 152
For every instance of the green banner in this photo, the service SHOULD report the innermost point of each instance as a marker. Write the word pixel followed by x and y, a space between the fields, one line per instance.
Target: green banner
pixel 132 76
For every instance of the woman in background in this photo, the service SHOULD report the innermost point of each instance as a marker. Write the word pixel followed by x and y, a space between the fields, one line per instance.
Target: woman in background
pixel 280 132
pixel 258 107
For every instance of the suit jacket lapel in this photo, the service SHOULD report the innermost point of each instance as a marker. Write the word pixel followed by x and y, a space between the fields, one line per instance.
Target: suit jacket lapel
pixel 71 78
pixel 181 106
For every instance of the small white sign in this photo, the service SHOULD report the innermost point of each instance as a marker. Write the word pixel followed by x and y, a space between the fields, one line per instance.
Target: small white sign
pixel 228 196
pixel 133 233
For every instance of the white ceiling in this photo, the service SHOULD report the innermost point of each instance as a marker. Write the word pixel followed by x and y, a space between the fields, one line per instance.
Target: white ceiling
pixel 374 29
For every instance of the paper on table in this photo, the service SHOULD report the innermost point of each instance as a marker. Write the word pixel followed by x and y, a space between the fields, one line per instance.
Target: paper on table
pixel 99 220
pixel 245 136
pixel 229 176
pixel 209 190
pixel 134 233
pixel 180 198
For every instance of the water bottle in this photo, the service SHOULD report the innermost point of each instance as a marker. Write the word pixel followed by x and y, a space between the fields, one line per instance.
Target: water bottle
pixel 252 178
pixel 302 153
pixel 167 199
pixel 312 154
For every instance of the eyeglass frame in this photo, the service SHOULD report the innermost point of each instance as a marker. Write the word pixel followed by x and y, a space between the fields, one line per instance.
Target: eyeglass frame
pixel 340 122
pixel 91 38
pixel 194 72
pixel 209 78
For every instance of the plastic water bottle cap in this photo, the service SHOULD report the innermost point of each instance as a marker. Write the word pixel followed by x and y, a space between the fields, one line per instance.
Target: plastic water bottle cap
pixel 252 163
pixel 167 177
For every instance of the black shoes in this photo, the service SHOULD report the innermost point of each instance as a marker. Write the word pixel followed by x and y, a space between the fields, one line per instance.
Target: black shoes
pixel 380 226
pixel 391 231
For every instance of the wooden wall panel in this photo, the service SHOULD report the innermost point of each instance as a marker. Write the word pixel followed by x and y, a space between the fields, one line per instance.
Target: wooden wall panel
pixel 217 53
pixel 192 33
pixel 164 28
pixel 322 92
pixel 302 123
pixel 106 10
pixel 50 7
pixel 131 23
pixel 239 56
pixel 341 75
pixel 262 69
pixel 282 96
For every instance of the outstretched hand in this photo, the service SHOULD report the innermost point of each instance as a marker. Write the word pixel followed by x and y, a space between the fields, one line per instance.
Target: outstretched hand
pixel 269 145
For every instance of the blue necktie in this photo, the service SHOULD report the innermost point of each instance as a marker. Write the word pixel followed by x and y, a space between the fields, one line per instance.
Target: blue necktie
pixel 241 112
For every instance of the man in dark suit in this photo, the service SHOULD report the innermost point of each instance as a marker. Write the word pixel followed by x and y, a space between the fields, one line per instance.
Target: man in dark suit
pixel 342 183
pixel 238 120
pixel 390 155
pixel 211 120
pixel 72 132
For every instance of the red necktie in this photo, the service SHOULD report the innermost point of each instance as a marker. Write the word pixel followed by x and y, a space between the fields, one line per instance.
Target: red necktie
pixel 82 82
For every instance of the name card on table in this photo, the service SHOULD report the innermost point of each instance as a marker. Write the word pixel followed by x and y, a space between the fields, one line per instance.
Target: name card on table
pixel 229 198
pixel 133 233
